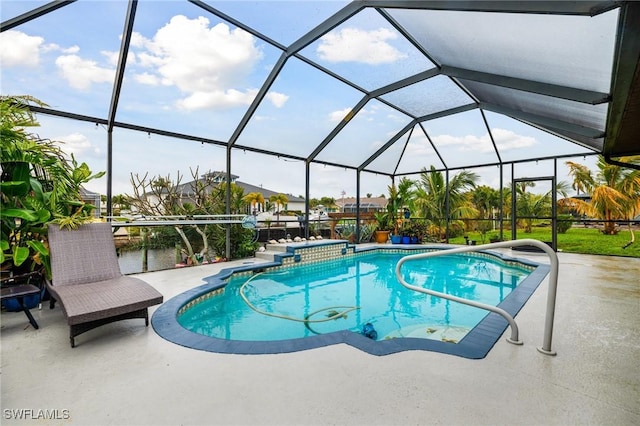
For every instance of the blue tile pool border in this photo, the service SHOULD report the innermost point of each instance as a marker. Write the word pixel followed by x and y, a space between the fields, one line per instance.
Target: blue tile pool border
pixel 475 345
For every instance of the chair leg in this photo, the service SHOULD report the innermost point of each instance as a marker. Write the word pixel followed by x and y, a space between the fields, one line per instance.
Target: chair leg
pixel 27 312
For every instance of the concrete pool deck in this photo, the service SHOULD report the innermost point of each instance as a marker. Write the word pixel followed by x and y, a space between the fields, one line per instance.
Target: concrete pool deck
pixel 125 374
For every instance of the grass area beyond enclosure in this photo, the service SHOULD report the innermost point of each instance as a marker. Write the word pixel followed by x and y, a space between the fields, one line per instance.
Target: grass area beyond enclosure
pixel 575 240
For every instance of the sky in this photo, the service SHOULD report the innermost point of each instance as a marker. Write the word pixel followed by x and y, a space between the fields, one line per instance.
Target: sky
pixel 191 72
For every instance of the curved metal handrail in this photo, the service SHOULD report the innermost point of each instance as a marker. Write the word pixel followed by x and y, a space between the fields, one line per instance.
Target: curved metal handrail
pixel 551 296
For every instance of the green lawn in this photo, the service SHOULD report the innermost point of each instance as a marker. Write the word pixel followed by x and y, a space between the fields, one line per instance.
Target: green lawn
pixel 576 240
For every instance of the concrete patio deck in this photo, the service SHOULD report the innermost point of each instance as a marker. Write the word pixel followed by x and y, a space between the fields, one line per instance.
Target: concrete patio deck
pixel 125 374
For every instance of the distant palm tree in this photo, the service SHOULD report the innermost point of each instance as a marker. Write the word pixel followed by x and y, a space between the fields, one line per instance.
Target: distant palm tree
pixel 615 191
pixel 485 199
pixel 432 192
pixel 280 200
pixel 254 199
pixel 531 205
pixel 121 201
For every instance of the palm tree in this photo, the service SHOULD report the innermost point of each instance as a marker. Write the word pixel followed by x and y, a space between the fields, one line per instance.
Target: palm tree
pixel 531 205
pixel 121 201
pixel 485 199
pixel 615 191
pixel 406 193
pixel 254 199
pixel 432 194
pixel 280 200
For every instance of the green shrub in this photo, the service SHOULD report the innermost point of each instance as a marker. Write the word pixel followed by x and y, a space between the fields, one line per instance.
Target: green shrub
pixel 564 223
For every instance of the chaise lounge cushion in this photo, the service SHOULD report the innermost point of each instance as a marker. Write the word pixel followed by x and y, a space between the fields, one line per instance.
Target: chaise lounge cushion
pixel 104 299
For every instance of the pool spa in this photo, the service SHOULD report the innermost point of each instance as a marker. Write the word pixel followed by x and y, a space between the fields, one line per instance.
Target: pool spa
pixel 323 293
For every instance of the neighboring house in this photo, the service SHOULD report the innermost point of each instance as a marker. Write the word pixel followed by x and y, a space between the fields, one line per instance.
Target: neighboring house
pixel 295 203
pixel 92 198
pixel 375 204
pixel 217 178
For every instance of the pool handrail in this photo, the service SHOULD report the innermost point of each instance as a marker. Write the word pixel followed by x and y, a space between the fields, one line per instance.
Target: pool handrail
pixel 551 296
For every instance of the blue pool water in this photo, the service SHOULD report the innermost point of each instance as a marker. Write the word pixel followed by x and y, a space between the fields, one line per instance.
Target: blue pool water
pixel 347 293
pixel 333 301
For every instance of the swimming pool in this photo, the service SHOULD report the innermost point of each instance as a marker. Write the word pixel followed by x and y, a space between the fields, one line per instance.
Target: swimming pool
pixel 336 294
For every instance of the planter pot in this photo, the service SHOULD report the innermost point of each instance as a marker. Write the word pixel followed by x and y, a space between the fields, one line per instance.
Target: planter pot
pixel 396 239
pixel 414 240
pixel 24 276
pixel 382 236
pixel 406 240
pixel 30 302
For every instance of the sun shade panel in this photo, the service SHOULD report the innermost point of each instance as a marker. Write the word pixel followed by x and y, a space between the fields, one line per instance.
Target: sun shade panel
pixel 581 114
pixel 429 96
pixel 518 141
pixel 573 51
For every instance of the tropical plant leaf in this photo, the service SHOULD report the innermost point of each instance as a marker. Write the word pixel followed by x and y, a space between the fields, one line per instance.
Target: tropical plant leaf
pixel 23 214
pixel 20 254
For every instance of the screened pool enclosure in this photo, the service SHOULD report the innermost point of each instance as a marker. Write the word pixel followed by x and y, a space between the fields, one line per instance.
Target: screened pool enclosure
pixel 318 95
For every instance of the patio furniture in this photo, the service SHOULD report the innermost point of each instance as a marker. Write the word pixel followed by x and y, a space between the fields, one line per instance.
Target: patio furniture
pixel 88 283
pixel 18 288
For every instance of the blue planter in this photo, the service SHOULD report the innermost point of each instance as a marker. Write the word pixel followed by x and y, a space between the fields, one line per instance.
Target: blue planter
pixel 414 240
pixel 396 239
pixel 406 240
pixel 12 305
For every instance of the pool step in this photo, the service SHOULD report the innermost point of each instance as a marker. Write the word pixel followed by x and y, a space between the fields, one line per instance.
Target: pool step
pixel 270 251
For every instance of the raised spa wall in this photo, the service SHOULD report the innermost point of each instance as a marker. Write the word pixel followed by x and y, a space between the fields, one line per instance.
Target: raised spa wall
pixel 315 252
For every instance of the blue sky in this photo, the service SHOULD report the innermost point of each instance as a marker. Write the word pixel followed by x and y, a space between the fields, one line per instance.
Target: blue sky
pixel 191 72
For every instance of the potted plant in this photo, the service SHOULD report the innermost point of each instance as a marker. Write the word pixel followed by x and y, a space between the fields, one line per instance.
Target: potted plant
pixel 383 227
pixel 406 232
pixel 393 206
pixel 39 185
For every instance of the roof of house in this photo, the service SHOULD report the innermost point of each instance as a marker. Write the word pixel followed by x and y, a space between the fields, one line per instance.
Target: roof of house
pixel 187 188
pixel 380 202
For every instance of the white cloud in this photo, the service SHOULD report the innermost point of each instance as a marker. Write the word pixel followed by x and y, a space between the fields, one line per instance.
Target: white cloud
pixel 19 49
pixel 355 45
pixel 366 114
pixel 81 73
pixel 217 99
pixel 114 56
pixel 146 78
pixel 277 99
pixel 338 116
pixel 466 143
pixel 68 51
pixel 506 139
pixel 78 145
pixel 208 64
pixel 419 146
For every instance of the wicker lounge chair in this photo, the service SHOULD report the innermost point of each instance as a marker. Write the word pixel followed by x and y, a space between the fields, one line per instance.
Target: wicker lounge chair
pixel 88 283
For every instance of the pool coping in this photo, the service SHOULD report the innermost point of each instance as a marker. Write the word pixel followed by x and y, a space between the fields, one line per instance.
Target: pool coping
pixel 475 345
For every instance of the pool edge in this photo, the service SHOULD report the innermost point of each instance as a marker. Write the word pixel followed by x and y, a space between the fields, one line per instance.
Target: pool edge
pixel 475 345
